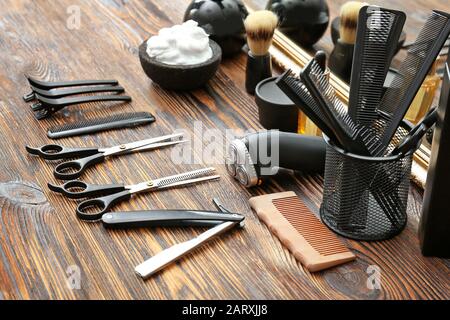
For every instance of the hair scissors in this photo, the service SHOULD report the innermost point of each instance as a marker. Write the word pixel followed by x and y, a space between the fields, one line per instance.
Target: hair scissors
pixel 89 156
pixel 110 195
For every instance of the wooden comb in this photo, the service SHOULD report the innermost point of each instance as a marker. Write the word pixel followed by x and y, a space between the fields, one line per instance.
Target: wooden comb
pixel 310 241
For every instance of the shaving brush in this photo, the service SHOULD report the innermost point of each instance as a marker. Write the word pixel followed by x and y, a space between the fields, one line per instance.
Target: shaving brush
pixel 341 59
pixel 259 26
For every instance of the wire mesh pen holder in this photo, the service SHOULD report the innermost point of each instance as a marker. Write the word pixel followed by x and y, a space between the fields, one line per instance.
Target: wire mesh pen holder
pixel 365 198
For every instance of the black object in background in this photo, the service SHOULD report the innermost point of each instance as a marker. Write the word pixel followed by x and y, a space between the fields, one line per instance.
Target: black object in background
pixel 118 121
pixel 304 21
pixel 341 60
pixel 335 34
pixel 434 228
pixel 276 110
pixel 223 20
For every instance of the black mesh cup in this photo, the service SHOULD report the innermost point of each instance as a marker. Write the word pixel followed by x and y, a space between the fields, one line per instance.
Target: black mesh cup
pixel 365 198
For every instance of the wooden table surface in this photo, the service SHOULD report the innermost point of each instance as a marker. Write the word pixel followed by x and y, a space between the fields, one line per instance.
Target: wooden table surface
pixel 41 239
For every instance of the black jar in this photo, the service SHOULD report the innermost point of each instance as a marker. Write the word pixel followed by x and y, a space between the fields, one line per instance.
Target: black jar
pixel 304 21
pixel 223 20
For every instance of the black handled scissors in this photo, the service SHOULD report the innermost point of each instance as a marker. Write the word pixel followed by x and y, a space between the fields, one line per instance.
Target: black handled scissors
pixel 89 156
pixel 110 195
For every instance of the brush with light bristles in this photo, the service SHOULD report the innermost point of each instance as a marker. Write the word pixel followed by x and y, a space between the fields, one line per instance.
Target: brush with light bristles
pixel 341 58
pixel 260 27
pixel 349 21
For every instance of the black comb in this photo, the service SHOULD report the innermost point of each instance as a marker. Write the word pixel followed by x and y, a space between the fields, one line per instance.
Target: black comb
pixel 376 43
pixel 299 94
pixel 344 128
pixel 413 70
pixel 119 121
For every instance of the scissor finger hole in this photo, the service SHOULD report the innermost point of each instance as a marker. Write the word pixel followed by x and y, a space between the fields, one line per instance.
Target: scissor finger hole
pixel 68 168
pixel 75 186
pixel 91 209
pixel 51 149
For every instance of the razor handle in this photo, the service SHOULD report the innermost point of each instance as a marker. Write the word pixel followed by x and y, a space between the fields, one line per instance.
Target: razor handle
pixel 286 150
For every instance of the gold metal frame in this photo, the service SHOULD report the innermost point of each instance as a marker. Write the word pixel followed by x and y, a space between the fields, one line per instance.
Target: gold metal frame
pixel 287 55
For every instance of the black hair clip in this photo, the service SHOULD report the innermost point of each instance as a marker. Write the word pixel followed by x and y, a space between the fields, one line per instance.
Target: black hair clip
pixel 53 96
pixel 45 107
pixel 47 85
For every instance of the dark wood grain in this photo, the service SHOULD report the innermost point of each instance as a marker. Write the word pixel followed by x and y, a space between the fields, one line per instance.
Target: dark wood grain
pixel 40 236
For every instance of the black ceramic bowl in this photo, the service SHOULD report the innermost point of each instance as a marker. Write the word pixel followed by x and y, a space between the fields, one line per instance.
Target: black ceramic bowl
pixel 183 77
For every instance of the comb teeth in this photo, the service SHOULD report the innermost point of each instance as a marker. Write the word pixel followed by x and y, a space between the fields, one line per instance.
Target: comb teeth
pixel 306 223
pixel 413 70
pixel 320 80
pixel 296 90
pixel 117 121
pixel 373 54
pixel 412 63
pixel 298 229
pixel 302 91
pixel 185 176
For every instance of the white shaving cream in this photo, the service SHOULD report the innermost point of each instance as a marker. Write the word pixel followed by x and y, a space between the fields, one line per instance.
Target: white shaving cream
pixel 184 44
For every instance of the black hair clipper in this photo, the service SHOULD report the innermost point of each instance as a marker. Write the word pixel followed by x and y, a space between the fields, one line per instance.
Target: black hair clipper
pixel 259 155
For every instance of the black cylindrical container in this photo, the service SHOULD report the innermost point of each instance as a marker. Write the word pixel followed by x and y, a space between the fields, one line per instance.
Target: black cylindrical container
pixel 365 198
pixel 276 110
pixel 258 68
pixel 341 60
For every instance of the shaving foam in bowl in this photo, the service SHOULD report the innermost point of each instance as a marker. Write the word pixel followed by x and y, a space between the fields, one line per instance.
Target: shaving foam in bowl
pixel 184 44
pixel 181 57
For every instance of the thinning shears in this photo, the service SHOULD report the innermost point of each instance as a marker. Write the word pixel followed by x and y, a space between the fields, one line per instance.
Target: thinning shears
pixel 73 169
pixel 111 194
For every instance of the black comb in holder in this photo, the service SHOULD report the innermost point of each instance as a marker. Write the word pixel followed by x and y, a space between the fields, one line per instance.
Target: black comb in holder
pixel 375 46
pixel 299 94
pixel 412 72
pixel 356 139
pixel 344 128
pixel 377 36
